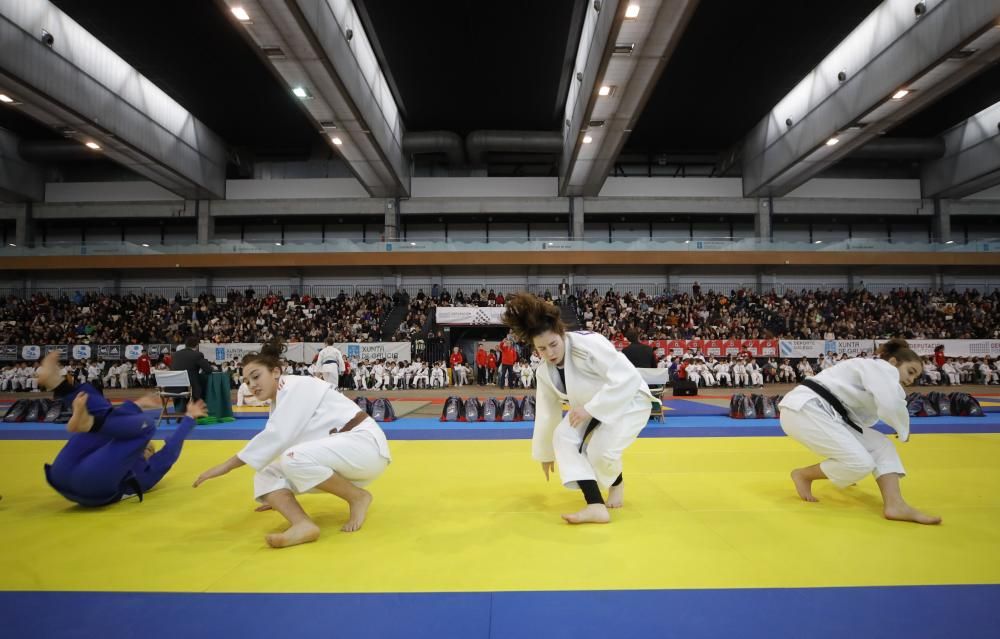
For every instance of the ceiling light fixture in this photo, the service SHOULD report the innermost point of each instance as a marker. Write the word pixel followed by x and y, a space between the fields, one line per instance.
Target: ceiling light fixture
pixel 587 139
pixel 241 14
pixel 301 92
pixel 145 245
pixel 624 48
pixel 606 90
pixel 832 141
pixel 93 145
pixel 899 95
pixel 336 141
pixel 277 243
pixel 950 242
pixel 12 244
pixel 818 242
pixel 632 11
pixel 6 99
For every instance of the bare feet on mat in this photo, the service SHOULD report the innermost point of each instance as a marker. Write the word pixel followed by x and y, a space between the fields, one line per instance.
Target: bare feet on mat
pixel 909 513
pixel 81 421
pixel 616 496
pixel 301 533
pixel 592 514
pixel 359 508
pixel 803 485
pixel 149 401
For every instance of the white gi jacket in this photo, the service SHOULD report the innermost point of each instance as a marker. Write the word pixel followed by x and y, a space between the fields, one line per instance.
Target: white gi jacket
pixel 601 380
pixel 306 409
pixel 330 360
pixel 868 388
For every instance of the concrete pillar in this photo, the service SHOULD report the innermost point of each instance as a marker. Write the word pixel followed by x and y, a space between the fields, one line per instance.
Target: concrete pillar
pixel 391 233
pixel 762 220
pixel 942 220
pixel 206 223
pixel 24 226
pixel 576 213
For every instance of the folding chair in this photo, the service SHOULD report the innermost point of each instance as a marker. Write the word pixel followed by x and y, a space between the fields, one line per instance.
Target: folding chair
pixel 656 379
pixel 167 383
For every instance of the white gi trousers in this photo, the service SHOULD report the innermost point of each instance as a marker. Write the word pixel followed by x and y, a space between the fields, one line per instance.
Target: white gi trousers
pixel 601 459
pixel 850 455
pixel 331 375
pixel 353 455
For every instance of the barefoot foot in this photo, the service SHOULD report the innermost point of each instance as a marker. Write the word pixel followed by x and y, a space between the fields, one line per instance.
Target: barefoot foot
pixel 81 421
pixel 616 496
pixel 301 533
pixel 803 485
pixel 909 513
pixel 592 514
pixel 359 508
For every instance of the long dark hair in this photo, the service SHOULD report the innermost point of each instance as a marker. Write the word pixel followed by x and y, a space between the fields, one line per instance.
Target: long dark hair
pixel 528 316
pixel 269 355
pixel 900 349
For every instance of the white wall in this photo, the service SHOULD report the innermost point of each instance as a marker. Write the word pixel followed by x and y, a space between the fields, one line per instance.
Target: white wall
pixel 292 189
pixel 138 191
pixel 483 187
pixel 876 189
pixel 672 187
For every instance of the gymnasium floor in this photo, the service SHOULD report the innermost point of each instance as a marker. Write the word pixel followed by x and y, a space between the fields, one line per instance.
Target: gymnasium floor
pixel 464 540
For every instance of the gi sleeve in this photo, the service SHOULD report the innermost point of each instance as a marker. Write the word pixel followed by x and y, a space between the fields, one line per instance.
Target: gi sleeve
pixel 622 381
pixel 882 381
pixel 548 414
pixel 293 407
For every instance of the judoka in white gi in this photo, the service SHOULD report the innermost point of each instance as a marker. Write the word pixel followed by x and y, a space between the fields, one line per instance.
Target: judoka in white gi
pixel 609 405
pixel 331 363
pixel 867 390
pixel 315 440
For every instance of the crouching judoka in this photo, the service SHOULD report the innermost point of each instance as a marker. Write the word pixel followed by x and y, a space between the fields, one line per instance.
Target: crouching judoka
pixel 609 405
pixel 315 440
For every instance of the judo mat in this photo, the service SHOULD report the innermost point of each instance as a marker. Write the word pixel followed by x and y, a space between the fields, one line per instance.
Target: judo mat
pixel 464 539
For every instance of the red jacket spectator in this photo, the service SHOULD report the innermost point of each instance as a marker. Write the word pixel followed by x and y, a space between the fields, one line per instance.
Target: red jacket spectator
pixel 456 358
pixel 491 362
pixel 500 300
pixel 508 354
pixel 142 364
pixel 481 357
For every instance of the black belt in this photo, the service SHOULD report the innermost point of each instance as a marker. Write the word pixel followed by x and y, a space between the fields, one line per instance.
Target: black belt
pixel 832 400
pixel 590 428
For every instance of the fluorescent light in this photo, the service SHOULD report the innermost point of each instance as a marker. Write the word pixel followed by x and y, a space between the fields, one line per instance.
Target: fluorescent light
pixel 587 139
pixel 687 241
pixel 300 92
pixel 93 145
pixel 6 98
pixel 552 243
pixel 241 14
pixel 277 243
pixel 413 243
pixel 604 90
pixel 336 141
pixel 12 244
pixel 818 242
pixel 145 245
pixel 899 95
pixel 832 141
pixel 950 242
pixel 632 11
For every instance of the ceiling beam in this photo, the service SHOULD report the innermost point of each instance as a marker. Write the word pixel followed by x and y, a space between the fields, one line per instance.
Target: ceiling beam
pixel 80 87
pixel 20 181
pixel 848 100
pixel 320 48
pixel 971 161
pixel 594 140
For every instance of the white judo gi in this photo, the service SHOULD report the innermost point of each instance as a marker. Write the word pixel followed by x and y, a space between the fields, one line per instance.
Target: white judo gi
pixel 331 364
pixel 870 390
pixel 605 384
pixel 296 449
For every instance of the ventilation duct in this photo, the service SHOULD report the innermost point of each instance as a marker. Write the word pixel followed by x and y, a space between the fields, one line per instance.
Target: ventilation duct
pixel 479 143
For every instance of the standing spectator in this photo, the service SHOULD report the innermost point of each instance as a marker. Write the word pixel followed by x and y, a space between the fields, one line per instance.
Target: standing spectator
pixel 491 367
pixel 481 364
pixel 143 367
pixel 641 355
pixel 508 357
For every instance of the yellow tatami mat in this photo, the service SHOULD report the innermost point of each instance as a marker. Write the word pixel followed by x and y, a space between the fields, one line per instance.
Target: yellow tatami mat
pixel 478 516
